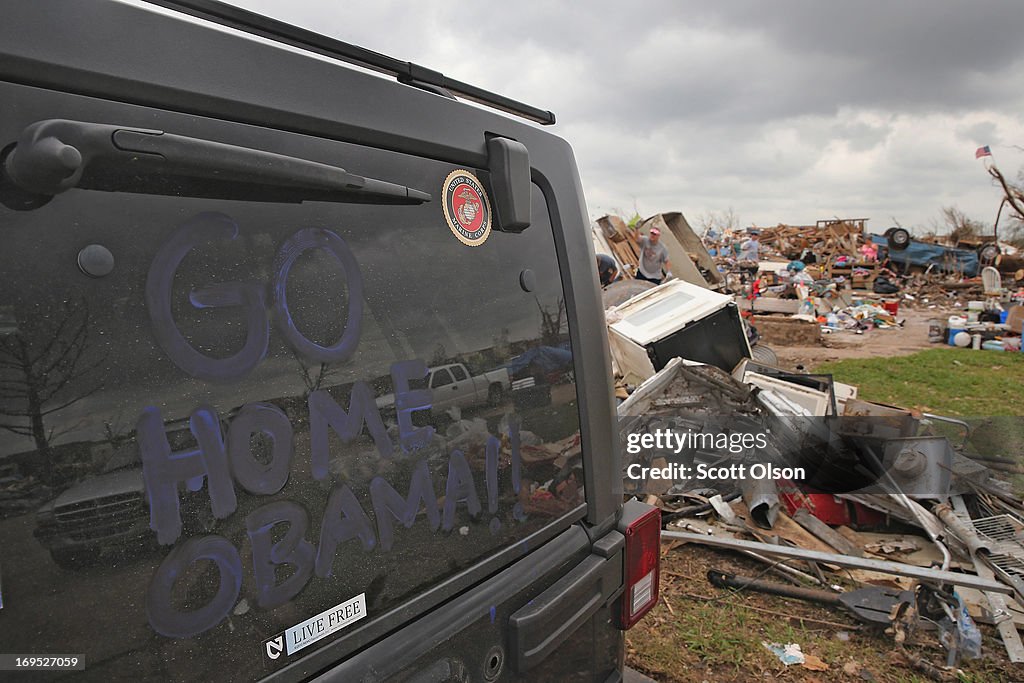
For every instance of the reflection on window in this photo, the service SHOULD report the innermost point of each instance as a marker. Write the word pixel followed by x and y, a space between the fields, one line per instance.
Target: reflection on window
pixel 441 378
pixel 312 444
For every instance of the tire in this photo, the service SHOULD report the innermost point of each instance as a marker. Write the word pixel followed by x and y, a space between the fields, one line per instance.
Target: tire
pixel 764 355
pixel 899 239
pixel 987 253
pixel 889 231
pixel 495 394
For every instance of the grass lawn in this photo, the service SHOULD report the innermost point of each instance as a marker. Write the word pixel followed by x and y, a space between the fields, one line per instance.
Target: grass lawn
pixel 945 381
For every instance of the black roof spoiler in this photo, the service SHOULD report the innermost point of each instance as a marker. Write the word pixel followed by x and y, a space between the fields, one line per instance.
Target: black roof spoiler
pixel 406 72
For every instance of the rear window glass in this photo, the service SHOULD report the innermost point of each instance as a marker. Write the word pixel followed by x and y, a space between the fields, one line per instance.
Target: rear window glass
pixel 230 433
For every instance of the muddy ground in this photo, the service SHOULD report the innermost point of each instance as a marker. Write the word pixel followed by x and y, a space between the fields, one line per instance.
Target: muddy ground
pixel 901 341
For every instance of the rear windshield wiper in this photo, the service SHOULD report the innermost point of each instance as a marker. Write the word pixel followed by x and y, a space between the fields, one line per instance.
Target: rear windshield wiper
pixel 56 155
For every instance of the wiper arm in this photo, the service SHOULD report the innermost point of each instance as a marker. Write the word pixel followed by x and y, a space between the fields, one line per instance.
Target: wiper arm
pixel 56 155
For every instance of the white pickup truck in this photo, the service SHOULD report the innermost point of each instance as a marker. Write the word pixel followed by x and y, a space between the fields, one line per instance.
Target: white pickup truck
pixel 453 386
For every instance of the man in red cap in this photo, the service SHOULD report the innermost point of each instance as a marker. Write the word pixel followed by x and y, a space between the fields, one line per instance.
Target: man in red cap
pixel 653 258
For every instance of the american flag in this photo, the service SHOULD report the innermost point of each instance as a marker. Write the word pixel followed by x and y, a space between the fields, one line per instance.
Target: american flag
pixel 982 152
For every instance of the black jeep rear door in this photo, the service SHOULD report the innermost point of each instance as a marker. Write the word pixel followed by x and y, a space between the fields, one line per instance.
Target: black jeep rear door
pixel 203 484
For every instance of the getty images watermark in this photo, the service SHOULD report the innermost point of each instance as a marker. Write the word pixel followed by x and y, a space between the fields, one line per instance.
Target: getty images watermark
pixel 674 442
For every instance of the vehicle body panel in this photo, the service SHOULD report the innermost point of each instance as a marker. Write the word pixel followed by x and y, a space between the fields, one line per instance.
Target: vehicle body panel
pixel 936 256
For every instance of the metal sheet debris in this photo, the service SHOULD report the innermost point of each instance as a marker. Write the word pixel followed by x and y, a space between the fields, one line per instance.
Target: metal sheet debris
pixel 936 575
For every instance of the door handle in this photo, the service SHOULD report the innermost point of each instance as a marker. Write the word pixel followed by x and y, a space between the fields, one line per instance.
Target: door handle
pixel 55 155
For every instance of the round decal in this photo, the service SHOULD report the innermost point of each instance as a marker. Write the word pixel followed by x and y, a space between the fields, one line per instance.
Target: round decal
pixel 467 208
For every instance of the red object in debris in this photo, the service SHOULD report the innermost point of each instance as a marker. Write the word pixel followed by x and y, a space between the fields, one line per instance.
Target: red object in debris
pixel 755 290
pixel 892 307
pixel 830 509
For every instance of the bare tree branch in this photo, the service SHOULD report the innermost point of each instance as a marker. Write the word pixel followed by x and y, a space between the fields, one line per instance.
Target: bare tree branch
pixel 1014 196
pixel 75 346
pixel 70 377
pixel 44 363
pixel 13 391
pixel 71 402
pixel 54 337
pixel 314 381
pixel 8 348
pixel 18 412
pixel 17 429
pixel 57 432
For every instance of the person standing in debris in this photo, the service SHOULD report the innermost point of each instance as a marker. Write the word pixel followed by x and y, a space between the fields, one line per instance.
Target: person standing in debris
pixel 607 269
pixel 750 250
pixel 653 258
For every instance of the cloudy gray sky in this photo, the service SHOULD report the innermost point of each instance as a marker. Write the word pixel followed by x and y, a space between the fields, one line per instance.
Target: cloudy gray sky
pixel 785 111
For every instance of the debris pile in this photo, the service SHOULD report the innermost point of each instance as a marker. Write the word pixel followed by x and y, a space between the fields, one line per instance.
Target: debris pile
pixel 815 272
pixel 828 239
pixel 622 242
pixel 690 259
pixel 903 521
pixel 834 273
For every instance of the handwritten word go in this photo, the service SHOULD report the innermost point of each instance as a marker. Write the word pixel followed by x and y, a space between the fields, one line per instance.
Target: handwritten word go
pixel 207 229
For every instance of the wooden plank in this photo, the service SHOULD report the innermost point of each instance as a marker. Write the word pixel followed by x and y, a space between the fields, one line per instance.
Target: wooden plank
pixel 826 533
pixel 768 305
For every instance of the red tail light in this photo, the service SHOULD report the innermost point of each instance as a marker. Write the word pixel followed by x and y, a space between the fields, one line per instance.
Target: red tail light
pixel 642 561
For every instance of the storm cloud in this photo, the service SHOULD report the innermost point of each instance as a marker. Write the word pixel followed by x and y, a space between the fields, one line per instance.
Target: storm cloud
pixel 785 111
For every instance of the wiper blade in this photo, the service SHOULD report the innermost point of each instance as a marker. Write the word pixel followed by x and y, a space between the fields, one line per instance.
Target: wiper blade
pixel 56 155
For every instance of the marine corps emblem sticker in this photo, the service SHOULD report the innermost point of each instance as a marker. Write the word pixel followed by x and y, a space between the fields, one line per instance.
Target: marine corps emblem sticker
pixel 467 208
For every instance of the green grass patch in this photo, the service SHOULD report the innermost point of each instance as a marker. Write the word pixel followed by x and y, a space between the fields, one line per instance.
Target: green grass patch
pixel 947 381
pixel 700 633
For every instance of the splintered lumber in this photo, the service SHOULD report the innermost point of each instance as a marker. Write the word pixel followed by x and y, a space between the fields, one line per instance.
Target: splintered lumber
pixel 826 533
pixel 884 566
pixel 828 238
pixel 625 252
pixel 614 228
pixel 621 239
